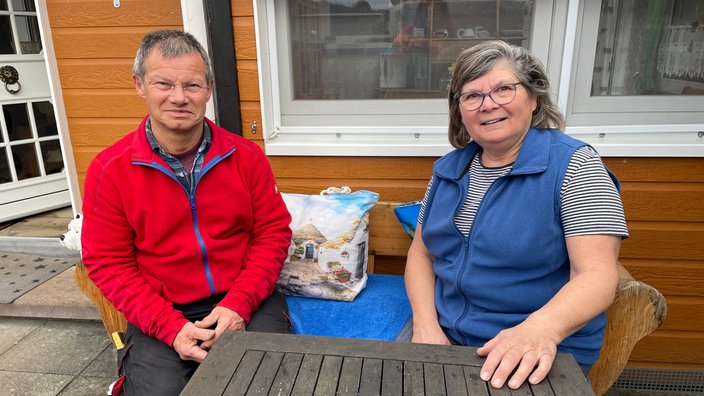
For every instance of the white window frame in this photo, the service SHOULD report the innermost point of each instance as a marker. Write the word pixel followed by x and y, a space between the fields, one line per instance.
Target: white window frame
pixel 647 126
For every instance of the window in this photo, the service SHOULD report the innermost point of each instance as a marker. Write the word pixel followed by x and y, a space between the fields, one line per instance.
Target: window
pixel 639 78
pixel 369 77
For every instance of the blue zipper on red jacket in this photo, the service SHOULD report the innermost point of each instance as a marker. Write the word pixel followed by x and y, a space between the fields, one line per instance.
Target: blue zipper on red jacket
pixel 192 200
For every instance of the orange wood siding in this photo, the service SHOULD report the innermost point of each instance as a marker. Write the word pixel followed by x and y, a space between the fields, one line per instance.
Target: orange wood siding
pixel 663 197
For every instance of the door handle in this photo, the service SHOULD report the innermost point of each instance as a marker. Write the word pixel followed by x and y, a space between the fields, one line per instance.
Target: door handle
pixel 11 78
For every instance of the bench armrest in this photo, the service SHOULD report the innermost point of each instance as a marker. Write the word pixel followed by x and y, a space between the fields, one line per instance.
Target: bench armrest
pixel 638 310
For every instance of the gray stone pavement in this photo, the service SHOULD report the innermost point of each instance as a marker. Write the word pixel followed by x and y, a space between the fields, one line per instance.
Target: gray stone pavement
pixel 55 357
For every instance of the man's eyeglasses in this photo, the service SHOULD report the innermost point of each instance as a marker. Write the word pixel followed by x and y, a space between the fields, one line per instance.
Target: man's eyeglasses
pixel 189 88
pixel 501 95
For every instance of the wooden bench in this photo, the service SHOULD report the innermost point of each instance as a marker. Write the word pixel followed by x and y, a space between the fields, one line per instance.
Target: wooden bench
pixel 637 311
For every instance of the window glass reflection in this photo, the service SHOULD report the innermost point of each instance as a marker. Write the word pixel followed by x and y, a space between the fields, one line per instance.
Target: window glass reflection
pixel 650 47
pixel 28 32
pixel 22 5
pixel 51 154
pixel 26 163
pixel 44 119
pixel 5 175
pixel 7 43
pixel 373 49
pixel 17 121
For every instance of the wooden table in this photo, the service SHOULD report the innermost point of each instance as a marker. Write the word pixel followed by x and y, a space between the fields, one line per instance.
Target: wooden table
pixel 249 363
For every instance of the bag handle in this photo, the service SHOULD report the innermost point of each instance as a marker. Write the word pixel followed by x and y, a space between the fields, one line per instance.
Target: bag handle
pixel 336 190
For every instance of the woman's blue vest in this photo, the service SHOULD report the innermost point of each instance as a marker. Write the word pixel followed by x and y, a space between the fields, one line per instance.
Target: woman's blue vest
pixel 515 258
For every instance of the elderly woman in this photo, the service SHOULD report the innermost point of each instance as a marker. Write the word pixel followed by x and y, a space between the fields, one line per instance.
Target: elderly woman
pixel 517 242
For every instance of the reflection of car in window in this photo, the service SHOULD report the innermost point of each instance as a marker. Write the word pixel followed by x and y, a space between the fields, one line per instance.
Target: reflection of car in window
pixel 361 5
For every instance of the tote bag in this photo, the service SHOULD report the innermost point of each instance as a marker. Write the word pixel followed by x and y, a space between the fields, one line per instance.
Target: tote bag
pixel 327 257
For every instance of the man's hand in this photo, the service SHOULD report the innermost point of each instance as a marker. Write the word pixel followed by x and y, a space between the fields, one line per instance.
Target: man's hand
pixel 530 350
pixel 187 340
pixel 225 318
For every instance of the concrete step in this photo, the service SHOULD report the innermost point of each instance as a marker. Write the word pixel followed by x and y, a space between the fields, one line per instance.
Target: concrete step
pixel 57 298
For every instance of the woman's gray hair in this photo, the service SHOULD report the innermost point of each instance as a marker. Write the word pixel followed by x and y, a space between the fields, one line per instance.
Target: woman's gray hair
pixel 478 60
pixel 169 43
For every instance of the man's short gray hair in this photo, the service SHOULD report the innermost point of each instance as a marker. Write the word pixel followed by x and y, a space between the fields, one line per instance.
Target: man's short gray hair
pixel 170 43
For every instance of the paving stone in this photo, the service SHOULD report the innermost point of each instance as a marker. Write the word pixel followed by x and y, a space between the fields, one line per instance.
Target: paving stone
pixel 105 365
pixel 35 384
pixel 65 347
pixel 83 385
pixel 13 330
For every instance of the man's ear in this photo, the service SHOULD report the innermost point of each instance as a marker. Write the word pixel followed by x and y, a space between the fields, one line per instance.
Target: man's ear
pixel 211 85
pixel 138 85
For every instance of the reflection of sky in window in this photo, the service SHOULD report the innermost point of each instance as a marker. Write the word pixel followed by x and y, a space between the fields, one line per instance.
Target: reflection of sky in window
pixel 330 216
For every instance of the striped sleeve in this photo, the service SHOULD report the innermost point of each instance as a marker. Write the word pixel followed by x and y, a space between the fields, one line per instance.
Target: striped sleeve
pixel 425 200
pixel 590 202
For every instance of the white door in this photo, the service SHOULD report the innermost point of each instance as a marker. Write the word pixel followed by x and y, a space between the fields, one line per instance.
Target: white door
pixel 32 175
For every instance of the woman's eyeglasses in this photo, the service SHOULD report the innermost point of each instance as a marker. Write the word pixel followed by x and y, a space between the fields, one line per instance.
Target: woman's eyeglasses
pixel 501 95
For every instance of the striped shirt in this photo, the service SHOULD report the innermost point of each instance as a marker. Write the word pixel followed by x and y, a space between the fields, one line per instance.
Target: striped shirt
pixel 590 203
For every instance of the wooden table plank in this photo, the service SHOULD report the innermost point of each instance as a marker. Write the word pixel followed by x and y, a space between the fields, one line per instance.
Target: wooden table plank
pixel 264 377
pixel 505 391
pixel 307 375
pixel 286 376
pixel 350 376
pixel 455 383
pixel 475 385
pixel 542 389
pixel 392 377
pixel 245 371
pixel 566 378
pixel 370 383
pixel 329 376
pixel 219 370
pixel 524 390
pixel 434 378
pixel 413 379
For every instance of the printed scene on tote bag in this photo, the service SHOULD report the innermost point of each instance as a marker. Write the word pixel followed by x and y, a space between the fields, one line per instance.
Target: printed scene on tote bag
pixel 328 253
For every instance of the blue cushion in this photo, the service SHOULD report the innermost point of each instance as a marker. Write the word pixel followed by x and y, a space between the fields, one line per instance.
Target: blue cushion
pixel 379 312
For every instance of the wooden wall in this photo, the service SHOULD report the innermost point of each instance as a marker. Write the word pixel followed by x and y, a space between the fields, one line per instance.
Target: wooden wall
pixel 663 197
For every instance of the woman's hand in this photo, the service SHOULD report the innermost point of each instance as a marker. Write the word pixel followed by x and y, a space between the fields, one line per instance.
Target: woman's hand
pixel 529 348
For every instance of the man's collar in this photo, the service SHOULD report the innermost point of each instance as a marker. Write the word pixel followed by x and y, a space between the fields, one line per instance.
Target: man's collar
pixel 156 147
